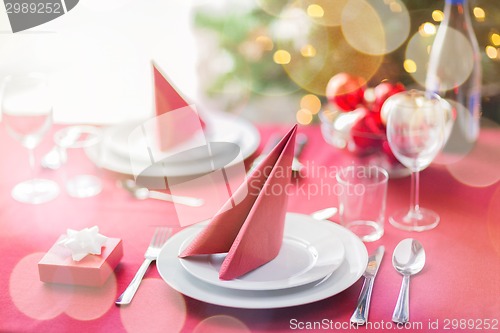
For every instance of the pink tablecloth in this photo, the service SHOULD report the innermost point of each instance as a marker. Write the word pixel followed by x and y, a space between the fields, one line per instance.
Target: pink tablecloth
pixel 458 289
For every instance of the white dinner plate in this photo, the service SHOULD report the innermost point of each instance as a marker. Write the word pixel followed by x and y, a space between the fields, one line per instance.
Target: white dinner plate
pixel 309 252
pixel 110 153
pixel 351 269
pixel 218 129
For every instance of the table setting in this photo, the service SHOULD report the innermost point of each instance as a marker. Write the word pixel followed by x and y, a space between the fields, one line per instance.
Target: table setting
pixel 267 247
pixel 194 219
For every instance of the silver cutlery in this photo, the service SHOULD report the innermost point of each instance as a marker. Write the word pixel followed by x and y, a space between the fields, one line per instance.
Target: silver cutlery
pixel 324 214
pixel 408 259
pixel 273 141
pixel 360 315
pixel 143 193
pixel 161 235
pixel 300 142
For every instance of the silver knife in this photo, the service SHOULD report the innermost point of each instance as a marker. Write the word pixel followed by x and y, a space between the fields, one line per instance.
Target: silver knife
pixel 360 315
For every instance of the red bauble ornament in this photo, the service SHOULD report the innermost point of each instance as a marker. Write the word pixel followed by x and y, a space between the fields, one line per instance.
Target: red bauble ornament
pixel 346 91
pixel 367 133
pixel 382 92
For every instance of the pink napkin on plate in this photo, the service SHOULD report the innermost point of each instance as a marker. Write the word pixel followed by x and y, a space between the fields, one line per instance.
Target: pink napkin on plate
pixel 177 120
pixel 252 231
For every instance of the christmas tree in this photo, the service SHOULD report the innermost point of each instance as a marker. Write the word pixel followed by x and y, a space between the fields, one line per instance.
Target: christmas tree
pixel 262 48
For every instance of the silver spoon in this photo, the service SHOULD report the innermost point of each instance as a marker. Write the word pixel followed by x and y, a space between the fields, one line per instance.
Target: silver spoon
pixel 143 193
pixel 408 259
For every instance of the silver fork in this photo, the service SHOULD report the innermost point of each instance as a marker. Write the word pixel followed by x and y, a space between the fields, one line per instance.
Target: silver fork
pixel 159 238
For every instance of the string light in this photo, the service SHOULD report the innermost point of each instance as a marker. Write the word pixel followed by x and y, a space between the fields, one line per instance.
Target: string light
pixel 479 14
pixel 310 102
pixel 282 57
pixel 491 52
pixel 304 117
pixel 495 39
pixel 315 10
pixel 427 29
pixel 410 66
pixel 437 15
pixel 308 51
pixel 395 7
pixel 265 42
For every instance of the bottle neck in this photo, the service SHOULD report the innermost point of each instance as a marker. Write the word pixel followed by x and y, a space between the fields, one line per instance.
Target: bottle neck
pixel 456 14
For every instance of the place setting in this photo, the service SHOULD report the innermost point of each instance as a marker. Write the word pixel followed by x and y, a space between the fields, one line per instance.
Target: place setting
pixel 179 141
pixel 256 255
pixel 253 254
pixel 274 259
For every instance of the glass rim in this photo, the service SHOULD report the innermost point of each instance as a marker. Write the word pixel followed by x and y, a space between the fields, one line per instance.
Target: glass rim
pixel 379 169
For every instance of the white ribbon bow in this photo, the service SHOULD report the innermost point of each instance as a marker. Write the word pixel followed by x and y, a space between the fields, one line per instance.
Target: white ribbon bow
pixel 84 242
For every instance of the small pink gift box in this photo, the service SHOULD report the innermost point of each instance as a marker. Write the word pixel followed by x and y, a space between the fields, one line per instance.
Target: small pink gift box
pixel 57 266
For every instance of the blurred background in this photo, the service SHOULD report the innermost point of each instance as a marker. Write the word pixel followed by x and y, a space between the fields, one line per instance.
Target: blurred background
pixel 255 58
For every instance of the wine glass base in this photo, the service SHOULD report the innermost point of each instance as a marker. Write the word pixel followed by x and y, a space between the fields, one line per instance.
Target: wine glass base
pixel 35 191
pixel 421 220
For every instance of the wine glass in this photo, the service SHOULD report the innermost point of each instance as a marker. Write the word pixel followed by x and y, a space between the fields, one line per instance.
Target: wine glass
pixel 418 124
pixel 27 115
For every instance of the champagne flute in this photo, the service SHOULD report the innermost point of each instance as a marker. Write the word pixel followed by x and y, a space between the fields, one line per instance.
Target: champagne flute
pixel 27 115
pixel 417 129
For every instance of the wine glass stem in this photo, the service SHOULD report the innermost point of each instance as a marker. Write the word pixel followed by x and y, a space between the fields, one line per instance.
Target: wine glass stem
pixel 31 155
pixel 415 188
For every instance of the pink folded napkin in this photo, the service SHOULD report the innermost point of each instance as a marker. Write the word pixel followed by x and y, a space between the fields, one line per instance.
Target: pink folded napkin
pixel 252 231
pixel 177 120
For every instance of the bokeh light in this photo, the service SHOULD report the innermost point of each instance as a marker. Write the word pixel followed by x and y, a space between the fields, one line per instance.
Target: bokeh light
pixel 417 56
pixel 265 42
pixel 311 102
pixel 374 26
pixel 495 39
pixel 308 51
pixel 363 29
pixel 477 165
pixel 410 66
pixel 274 7
pixel 221 324
pixel 491 52
pixel 282 57
pixel 92 303
pixel 304 116
pixel 156 308
pixel 437 15
pixel 44 301
pixel 457 147
pixel 324 12
pixel 37 300
pixel 479 14
pixel 427 29
pixel 333 55
pixel 457 53
pixel 315 10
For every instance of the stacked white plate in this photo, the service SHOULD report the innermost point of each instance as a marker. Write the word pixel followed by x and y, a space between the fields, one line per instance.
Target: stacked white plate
pixel 116 151
pixel 318 259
